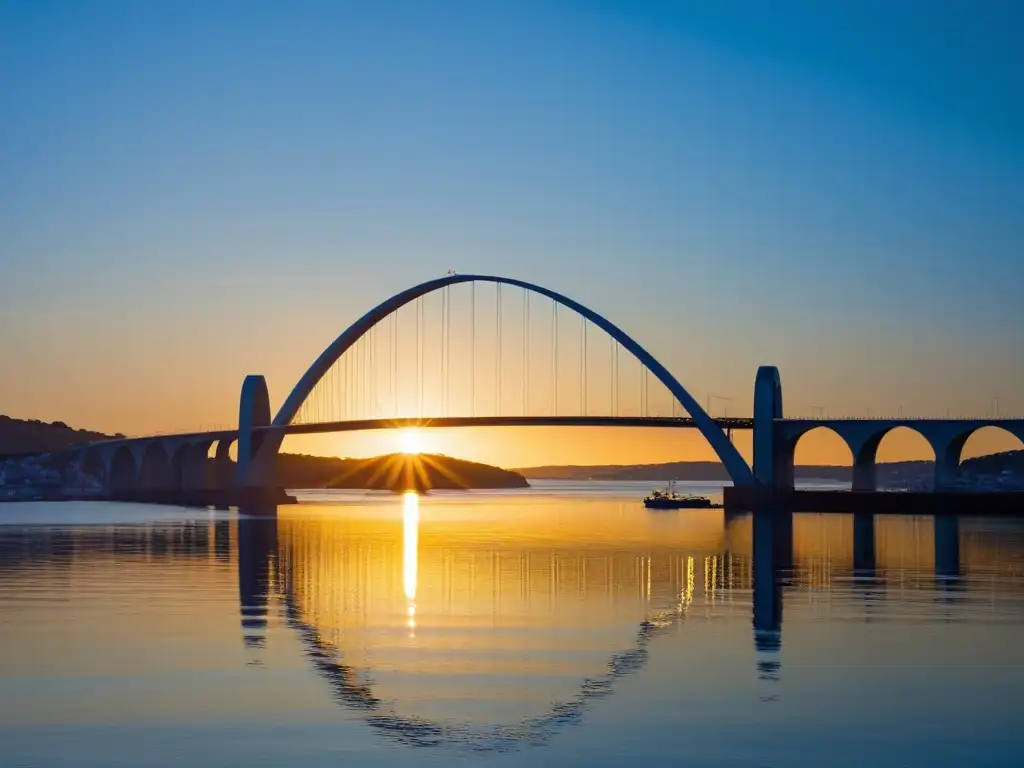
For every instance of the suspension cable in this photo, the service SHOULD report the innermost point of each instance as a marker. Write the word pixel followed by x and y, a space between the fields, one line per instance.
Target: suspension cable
pixel 394 364
pixel 526 348
pixel 497 360
pixel 554 356
pixel 447 349
pixel 419 350
pixel 617 410
pixel 640 385
pixel 374 399
pixel 441 368
pixel 583 368
pixel 472 349
pixel 611 377
pixel 646 394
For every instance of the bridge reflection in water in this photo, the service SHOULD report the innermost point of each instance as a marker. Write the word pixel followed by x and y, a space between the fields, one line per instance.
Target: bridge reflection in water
pixel 525 615
pixel 339 588
pixel 332 587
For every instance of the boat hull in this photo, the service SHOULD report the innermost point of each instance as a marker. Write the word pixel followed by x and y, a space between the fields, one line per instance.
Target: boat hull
pixel 677 503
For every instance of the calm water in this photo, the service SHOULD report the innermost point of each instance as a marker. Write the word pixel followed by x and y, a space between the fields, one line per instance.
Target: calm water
pixel 562 625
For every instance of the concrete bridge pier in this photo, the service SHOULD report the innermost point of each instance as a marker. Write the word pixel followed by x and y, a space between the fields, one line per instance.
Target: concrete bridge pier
pixel 154 467
pixel 253 411
pixel 223 474
pixel 255 477
pixel 193 459
pixel 124 470
pixel 948 447
pixel 95 462
pixel 863 441
pixel 772 468
pixel 947 440
pixel 865 476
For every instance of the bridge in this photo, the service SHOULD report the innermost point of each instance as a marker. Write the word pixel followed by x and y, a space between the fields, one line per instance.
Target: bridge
pixel 523 355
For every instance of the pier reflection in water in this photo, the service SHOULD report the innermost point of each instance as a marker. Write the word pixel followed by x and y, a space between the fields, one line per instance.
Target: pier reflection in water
pixel 576 627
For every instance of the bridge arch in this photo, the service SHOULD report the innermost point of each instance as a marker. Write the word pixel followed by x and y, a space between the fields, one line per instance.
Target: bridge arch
pixel 94 466
pixel 223 466
pixel 124 473
pixel 155 467
pixel 188 465
pixel 262 466
pixel 866 458
pixel 769 463
pixel 990 438
pixel 825 437
pixel 179 459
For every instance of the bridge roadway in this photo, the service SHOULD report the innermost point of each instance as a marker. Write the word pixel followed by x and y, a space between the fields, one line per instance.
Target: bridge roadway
pixel 174 467
pixel 358 425
pixel 792 427
pixel 168 464
pixel 177 460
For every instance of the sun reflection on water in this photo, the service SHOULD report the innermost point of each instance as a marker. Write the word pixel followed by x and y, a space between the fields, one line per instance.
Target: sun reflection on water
pixel 410 551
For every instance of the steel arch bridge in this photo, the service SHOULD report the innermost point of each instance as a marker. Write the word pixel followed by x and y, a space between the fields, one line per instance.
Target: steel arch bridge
pixel 257 454
pixel 331 397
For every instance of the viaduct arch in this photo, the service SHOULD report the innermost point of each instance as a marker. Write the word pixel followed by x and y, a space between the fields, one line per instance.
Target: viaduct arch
pixel 775 444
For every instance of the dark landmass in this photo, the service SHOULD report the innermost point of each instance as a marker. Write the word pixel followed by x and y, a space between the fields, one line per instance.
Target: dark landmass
pixel 679 470
pixel 393 472
pixel 423 472
pixel 994 463
pixel 25 436
pixel 991 464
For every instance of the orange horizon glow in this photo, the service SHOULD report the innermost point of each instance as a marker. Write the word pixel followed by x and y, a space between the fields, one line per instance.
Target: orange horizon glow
pixel 171 400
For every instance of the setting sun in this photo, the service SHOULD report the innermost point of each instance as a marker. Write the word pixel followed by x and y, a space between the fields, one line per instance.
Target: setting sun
pixel 410 440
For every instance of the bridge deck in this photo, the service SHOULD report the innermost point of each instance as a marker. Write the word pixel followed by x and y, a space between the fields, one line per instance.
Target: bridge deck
pixel 511 421
pixel 357 425
pixel 668 422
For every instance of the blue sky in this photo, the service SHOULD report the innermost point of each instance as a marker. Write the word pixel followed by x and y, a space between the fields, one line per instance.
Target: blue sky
pixel 220 187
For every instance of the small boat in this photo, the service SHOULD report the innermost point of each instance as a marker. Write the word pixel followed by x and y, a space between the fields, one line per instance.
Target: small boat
pixel 672 500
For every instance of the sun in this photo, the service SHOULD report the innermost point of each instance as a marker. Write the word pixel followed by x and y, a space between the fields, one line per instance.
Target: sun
pixel 410 441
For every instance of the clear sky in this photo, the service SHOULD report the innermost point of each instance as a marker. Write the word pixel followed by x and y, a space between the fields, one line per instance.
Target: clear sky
pixel 193 191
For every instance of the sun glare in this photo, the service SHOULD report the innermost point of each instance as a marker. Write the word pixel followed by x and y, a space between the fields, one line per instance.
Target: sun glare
pixel 410 440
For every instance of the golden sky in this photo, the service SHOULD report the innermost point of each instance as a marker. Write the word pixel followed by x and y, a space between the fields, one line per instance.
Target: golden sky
pixel 175 372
